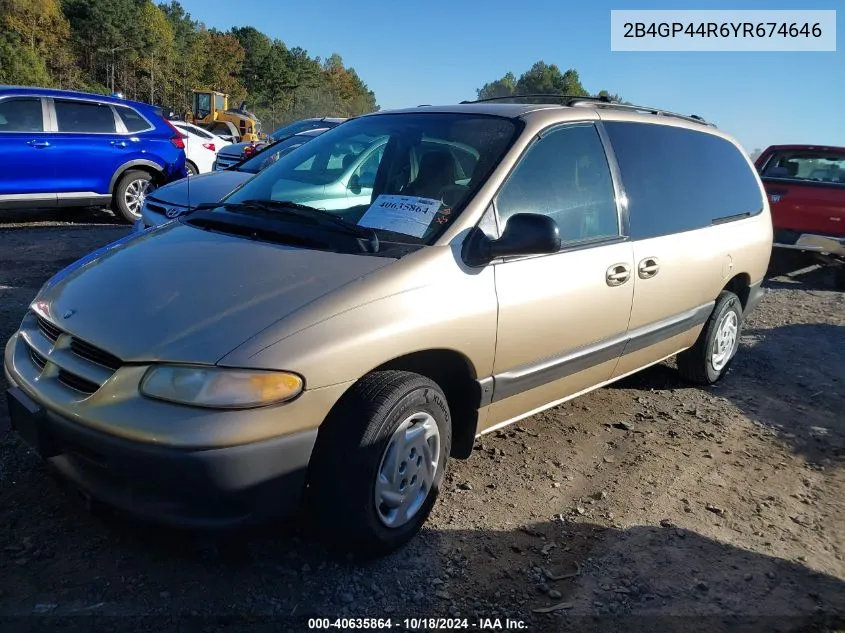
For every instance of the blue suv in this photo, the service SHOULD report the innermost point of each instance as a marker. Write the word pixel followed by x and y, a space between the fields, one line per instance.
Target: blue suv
pixel 63 149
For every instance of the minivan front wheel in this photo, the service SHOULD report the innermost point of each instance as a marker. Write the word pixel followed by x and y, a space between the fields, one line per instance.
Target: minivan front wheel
pixel 128 196
pixel 379 462
pixel 711 356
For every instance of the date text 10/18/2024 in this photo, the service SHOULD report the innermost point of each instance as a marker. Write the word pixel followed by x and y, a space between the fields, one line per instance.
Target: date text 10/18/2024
pixel 412 624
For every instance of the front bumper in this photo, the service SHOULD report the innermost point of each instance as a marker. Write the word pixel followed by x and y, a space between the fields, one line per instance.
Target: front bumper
pixel 199 488
pixel 825 244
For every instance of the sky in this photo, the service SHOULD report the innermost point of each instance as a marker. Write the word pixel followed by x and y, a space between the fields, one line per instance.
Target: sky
pixel 441 51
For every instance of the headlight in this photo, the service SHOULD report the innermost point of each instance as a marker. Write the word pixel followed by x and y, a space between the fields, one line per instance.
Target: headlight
pixel 219 388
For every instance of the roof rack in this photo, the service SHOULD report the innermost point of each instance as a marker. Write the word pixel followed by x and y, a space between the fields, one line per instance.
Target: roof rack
pixel 693 118
pixel 565 99
pixel 601 101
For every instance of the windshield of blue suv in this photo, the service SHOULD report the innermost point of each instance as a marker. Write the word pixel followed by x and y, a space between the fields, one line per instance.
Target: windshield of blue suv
pixel 404 176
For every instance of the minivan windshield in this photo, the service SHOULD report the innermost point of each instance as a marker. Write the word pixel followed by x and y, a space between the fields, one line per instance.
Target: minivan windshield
pixel 405 176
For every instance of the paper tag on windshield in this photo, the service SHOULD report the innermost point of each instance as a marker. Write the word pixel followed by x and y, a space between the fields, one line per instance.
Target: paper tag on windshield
pixel 401 214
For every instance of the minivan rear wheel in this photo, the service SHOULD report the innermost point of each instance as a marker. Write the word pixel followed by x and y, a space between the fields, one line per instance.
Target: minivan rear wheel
pixel 379 462
pixel 128 195
pixel 711 356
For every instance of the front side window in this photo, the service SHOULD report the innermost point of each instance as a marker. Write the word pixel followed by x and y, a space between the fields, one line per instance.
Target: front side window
pixel 564 175
pixel 219 102
pixel 807 165
pixel 677 179
pixel 84 117
pixel 133 121
pixel 416 188
pixel 21 114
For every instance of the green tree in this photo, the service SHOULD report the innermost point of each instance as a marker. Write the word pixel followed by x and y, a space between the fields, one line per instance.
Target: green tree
pixel 257 48
pixel 156 52
pixel 20 64
pixel 504 87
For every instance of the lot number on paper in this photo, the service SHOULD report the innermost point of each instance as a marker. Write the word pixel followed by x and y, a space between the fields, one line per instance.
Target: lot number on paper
pixel 401 214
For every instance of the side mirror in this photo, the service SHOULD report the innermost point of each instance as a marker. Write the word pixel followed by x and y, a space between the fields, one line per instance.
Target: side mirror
pixel 361 181
pixel 524 234
pixel 354 184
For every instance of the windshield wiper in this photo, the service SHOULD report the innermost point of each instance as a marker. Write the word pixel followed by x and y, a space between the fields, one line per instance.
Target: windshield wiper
pixel 312 214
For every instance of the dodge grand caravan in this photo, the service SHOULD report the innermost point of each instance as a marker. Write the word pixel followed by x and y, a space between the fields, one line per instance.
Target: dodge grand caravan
pixel 290 358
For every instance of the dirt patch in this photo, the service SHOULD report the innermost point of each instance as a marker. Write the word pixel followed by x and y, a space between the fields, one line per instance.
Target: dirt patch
pixel 648 505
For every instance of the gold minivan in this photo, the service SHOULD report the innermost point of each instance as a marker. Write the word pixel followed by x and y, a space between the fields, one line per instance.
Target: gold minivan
pixel 266 356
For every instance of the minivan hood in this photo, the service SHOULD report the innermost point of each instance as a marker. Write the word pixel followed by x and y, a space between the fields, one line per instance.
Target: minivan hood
pixel 210 187
pixel 177 293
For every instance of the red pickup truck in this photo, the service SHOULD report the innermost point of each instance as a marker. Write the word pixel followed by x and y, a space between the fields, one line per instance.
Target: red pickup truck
pixel 806 189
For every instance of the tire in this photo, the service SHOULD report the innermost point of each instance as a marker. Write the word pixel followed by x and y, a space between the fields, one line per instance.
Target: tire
pixel 192 169
pixel 125 186
pixel 357 442
pixel 701 364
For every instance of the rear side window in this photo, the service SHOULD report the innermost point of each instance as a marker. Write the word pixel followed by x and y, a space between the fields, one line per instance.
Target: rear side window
pixel 133 121
pixel 22 114
pixel 680 180
pixel 195 130
pixel 84 116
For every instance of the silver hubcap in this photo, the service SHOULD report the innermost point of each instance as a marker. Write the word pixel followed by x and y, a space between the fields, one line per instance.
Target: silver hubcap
pixel 723 345
pixel 408 467
pixel 134 196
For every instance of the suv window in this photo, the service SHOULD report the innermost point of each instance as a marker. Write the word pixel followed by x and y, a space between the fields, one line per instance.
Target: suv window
pixel 21 114
pixel 84 116
pixel 564 175
pixel 681 180
pixel 133 121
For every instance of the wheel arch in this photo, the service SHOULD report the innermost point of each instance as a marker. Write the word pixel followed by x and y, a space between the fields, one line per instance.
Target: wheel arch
pixel 455 374
pixel 740 285
pixel 154 169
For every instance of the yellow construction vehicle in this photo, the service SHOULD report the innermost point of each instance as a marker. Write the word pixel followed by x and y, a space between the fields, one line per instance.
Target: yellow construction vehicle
pixel 211 111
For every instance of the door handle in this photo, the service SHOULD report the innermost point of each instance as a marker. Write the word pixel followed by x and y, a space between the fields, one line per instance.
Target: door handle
pixel 119 143
pixel 648 268
pixel 618 274
pixel 38 144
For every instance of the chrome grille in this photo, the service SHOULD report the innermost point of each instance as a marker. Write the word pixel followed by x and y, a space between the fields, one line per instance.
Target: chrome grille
pixel 57 355
pixel 77 383
pixel 37 358
pixel 94 354
pixel 48 329
pixel 225 161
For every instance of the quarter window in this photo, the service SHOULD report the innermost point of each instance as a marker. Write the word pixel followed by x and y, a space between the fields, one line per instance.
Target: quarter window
pixel 133 121
pixel 564 175
pixel 21 115
pixel 678 179
pixel 84 116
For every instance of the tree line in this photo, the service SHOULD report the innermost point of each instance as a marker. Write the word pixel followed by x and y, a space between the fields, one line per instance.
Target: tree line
pixel 541 78
pixel 158 53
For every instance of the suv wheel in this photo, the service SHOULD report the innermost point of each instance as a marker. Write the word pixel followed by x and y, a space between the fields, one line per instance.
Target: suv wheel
pixel 379 461
pixel 128 196
pixel 711 356
pixel 192 169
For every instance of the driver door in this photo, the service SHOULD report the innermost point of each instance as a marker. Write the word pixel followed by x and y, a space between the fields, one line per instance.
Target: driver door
pixel 563 317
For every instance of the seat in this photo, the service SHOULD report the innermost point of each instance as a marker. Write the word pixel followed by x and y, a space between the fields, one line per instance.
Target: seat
pixel 437 171
pixel 777 172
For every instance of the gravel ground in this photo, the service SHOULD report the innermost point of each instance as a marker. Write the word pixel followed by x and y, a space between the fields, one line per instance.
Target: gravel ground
pixel 648 505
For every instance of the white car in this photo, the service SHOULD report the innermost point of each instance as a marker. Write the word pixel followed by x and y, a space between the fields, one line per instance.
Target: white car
pixel 201 147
